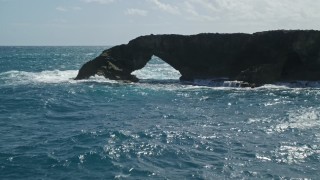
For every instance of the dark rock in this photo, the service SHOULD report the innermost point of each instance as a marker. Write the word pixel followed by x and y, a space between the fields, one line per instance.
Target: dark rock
pixel 256 59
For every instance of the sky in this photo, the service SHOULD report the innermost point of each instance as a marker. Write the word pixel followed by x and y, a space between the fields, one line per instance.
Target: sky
pixel 113 22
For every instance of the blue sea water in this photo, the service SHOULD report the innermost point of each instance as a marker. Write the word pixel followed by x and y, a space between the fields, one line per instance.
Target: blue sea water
pixel 53 127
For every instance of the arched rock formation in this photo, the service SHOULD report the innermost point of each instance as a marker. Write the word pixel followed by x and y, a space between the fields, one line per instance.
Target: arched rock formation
pixel 259 58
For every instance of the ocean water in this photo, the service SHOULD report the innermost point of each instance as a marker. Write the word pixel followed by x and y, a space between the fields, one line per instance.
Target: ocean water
pixel 53 127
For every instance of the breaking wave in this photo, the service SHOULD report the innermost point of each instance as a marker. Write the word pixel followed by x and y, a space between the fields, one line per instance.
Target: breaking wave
pixel 46 77
pixel 55 76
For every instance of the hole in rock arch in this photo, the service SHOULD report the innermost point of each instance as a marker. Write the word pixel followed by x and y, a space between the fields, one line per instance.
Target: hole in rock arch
pixel 157 69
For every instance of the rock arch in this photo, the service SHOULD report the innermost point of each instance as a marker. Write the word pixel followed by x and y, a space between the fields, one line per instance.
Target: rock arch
pixel 258 58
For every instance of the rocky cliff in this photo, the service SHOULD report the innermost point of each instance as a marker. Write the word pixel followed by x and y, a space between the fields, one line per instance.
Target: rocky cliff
pixel 259 58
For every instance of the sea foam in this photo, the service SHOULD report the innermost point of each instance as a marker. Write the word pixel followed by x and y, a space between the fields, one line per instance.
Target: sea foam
pixel 23 77
pixel 46 77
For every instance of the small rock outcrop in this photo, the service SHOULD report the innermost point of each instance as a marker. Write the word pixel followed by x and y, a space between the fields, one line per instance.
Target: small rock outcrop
pixel 255 59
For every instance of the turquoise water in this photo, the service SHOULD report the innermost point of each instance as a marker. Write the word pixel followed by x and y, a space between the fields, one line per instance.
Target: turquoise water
pixel 53 127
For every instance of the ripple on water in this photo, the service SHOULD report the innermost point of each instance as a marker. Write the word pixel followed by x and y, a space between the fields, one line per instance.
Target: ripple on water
pixel 54 127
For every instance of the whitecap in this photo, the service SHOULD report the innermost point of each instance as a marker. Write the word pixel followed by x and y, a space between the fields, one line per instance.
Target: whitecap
pixel 81 158
pixel 23 77
pixel 47 77
pixel 293 84
pixel 263 158
pixel 273 86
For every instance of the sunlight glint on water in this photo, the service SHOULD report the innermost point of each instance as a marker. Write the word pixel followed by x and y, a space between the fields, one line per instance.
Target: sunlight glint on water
pixel 53 127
